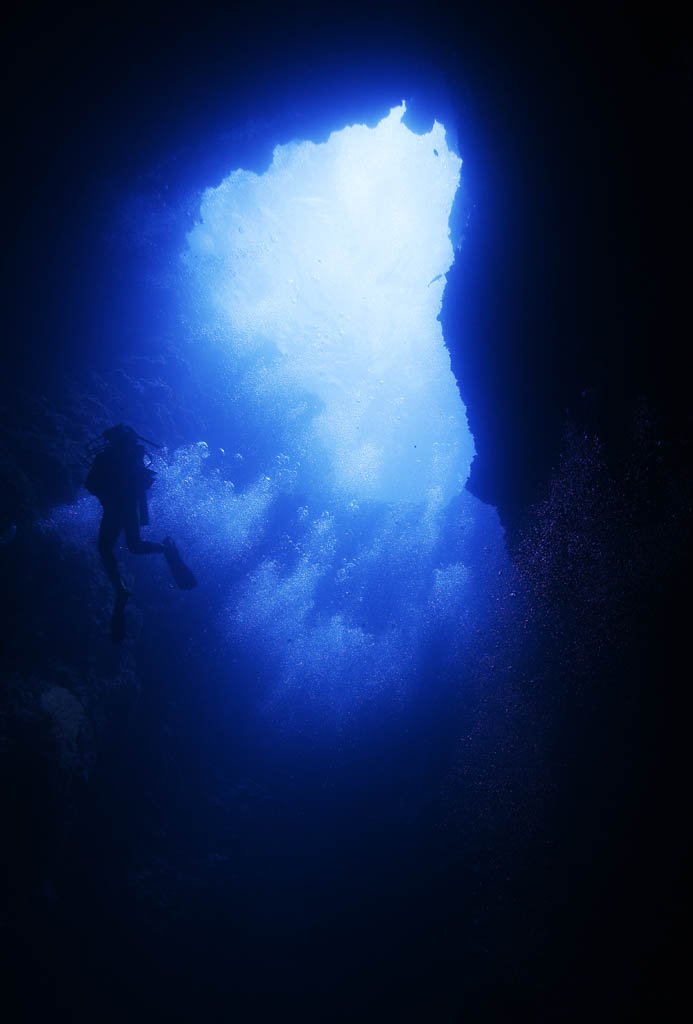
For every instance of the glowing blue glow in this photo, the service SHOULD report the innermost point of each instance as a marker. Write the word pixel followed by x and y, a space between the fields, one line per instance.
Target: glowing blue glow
pixel 326 275
pixel 338 550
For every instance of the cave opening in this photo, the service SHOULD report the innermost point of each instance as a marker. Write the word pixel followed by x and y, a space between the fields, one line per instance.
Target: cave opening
pixel 320 282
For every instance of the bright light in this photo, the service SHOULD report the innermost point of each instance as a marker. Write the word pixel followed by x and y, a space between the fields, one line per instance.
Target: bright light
pixel 325 276
pixel 334 537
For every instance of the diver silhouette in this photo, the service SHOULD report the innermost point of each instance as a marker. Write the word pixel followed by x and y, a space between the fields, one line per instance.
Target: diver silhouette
pixel 120 478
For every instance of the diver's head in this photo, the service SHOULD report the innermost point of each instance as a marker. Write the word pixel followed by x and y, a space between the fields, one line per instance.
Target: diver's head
pixel 121 437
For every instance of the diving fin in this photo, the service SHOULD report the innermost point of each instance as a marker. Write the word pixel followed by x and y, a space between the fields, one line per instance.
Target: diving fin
pixel 179 570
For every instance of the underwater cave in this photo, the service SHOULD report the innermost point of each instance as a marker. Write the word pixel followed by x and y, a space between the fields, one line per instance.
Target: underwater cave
pixel 407 751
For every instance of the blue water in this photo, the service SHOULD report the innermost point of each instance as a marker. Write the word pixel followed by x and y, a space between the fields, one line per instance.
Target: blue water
pixel 334 540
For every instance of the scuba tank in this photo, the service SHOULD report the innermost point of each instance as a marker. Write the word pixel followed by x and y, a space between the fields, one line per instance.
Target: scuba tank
pixel 114 436
pixel 119 466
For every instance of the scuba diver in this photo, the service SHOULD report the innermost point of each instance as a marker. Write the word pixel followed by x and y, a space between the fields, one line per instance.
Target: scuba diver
pixel 120 478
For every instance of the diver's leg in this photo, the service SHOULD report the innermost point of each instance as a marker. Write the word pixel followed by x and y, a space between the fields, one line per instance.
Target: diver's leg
pixel 108 535
pixel 133 540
